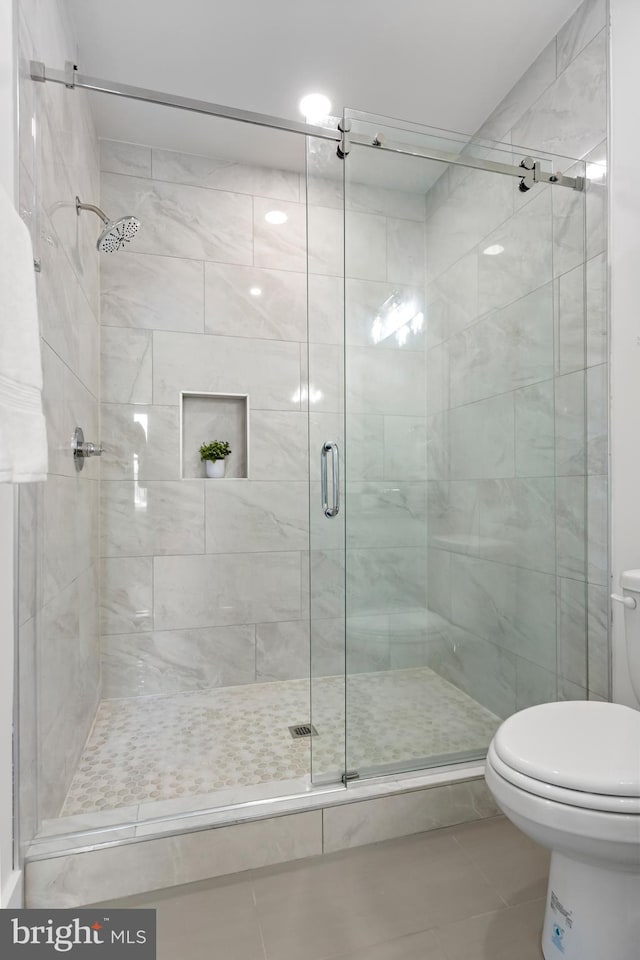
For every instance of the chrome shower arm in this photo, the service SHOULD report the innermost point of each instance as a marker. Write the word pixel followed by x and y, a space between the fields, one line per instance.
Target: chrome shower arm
pixel 90 206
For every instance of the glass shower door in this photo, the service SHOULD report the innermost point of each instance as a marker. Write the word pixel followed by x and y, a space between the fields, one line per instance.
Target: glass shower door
pixel 325 399
pixel 465 469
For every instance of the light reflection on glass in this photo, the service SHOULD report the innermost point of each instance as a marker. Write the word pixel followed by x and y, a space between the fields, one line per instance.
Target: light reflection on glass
pixel 397 317
pixel 140 492
pixel 304 394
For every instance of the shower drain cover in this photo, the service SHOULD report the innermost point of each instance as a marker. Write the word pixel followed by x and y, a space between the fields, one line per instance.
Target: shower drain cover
pixel 303 730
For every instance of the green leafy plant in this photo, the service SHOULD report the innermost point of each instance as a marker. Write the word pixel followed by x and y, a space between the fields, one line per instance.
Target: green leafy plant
pixel 216 450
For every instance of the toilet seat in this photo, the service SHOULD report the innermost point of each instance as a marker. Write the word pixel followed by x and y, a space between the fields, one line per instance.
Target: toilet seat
pixel 585 754
pixel 564 795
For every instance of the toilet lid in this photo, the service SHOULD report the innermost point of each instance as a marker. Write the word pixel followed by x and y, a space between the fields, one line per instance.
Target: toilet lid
pixel 589 746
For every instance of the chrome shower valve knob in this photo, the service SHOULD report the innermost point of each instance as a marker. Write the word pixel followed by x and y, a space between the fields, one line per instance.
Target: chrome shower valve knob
pixel 84 448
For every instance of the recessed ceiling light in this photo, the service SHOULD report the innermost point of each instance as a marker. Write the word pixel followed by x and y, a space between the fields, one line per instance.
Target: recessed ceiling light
pixel 493 250
pixel 276 216
pixel 315 106
pixel 255 291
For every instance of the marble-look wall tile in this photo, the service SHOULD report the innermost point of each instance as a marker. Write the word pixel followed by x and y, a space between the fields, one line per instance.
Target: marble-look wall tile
pixel 386 580
pixel 481 668
pixel 570 425
pixel 366 255
pixel 325 309
pixel 133 159
pixel 280 246
pixel 405 251
pixel 380 383
pixel 481 438
pixel 325 238
pixel 535 430
pixel 278 445
pixel 439 582
pixel 506 350
pixel 325 375
pixel 452 299
pixel 282 650
pixel 126 368
pixel 405 448
pixel 534 684
pixel 141 442
pixel 367 452
pixel 66 403
pixel 510 606
pixel 597 349
pixel 258 516
pixel 570 311
pixel 68 694
pixel 572 630
pixel 367 645
pixel 171 661
pixel 438 379
pixel 368 299
pixel 255 302
pixel 152 517
pixel 67 321
pixel 598 642
pixel 597 526
pixel 570 117
pixel 596 201
pixel 219 174
pixel 388 514
pixel 571 514
pixel 509 520
pixel 328 658
pixel 214 590
pixel 183 221
pixel 540 75
pixel 438 453
pixel 471 212
pixel 597 419
pixel 126 594
pixel 579 30
pixel 525 262
pixel 127 869
pixel 266 369
pixel 68 549
pixel 568 225
pixel 152 293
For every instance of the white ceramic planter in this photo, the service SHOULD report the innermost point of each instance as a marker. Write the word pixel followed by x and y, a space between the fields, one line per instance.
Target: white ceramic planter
pixel 215 468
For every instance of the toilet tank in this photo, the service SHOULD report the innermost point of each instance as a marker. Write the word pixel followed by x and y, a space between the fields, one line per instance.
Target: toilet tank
pixel 630 583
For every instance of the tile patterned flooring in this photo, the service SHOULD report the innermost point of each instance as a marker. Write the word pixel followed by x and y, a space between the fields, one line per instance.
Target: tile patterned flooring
pixel 470 892
pixel 152 749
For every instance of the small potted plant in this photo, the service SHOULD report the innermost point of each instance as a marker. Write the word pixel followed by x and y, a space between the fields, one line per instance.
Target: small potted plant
pixel 214 454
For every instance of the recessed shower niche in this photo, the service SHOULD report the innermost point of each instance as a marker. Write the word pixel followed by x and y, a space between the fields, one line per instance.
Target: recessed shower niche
pixel 205 417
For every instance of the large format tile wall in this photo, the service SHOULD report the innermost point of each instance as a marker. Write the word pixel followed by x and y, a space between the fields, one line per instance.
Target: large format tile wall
pixel 517 398
pixel 205 583
pixel 58 540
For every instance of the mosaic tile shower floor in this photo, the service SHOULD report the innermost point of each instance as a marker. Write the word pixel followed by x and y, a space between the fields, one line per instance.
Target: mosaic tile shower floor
pixel 152 749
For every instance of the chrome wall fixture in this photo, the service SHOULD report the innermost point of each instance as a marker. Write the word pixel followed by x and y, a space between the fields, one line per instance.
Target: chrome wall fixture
pixel 83 448
pixel 342 136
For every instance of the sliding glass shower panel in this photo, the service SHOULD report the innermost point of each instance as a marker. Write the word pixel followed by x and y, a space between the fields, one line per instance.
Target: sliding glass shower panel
pixel 466 447
pixel 327 456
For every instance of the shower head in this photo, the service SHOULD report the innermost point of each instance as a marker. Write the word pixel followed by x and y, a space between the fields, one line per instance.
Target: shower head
pixel 116 232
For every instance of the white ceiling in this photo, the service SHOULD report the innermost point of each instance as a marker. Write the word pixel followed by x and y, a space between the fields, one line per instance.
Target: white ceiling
pixel 445 63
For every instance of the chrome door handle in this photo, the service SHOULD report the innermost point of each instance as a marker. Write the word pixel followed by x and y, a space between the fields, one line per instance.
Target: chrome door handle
pixel 329 447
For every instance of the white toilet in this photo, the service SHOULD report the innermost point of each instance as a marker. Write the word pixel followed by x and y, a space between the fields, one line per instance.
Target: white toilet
pixel 568 775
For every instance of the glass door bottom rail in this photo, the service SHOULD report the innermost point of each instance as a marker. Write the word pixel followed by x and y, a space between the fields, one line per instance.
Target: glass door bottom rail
pixel 185 747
